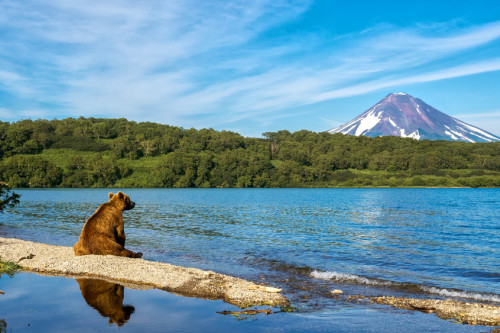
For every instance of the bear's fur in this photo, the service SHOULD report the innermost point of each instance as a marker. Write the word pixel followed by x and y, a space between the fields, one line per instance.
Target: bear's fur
pixel 107 299
pixel 104 233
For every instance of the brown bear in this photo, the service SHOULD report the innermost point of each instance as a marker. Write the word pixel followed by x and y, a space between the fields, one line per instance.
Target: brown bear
pixel 107 299
pixel 104 233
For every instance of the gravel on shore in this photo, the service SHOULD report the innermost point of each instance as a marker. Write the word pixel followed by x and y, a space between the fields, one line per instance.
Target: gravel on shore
pixel 463 312
pixel 192 282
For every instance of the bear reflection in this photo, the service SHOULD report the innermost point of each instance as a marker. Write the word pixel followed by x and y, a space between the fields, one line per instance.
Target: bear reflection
pixel 107 299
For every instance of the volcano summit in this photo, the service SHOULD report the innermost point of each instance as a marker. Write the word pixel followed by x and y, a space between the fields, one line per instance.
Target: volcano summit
pixel 403 115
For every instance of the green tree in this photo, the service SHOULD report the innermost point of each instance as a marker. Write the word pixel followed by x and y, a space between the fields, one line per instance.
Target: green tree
pixel 7 197
pixel 30 171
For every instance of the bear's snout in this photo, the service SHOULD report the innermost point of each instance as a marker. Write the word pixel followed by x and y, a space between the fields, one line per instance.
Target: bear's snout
pixel 131 205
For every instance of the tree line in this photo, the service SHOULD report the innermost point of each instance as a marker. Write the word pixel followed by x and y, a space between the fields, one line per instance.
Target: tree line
pixel 94 152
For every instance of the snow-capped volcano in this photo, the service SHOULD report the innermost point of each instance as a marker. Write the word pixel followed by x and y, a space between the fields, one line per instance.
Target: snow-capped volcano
pixel 403 115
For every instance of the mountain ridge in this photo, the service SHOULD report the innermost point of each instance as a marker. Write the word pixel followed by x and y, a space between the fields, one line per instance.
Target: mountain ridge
pixel 400 114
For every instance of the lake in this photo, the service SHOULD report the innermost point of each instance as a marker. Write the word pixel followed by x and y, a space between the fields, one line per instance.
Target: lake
pixel 435 243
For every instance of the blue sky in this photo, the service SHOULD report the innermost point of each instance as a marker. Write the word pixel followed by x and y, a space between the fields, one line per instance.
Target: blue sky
pixel 247 66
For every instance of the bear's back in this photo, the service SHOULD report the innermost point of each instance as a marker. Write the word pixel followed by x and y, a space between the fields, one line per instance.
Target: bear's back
pixel 104 218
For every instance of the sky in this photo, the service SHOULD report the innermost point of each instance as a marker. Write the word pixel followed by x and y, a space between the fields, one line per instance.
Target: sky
pixel 247 66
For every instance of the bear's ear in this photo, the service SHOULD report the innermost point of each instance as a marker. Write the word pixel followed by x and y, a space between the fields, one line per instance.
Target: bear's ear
pixel 110 195
pixel 120 195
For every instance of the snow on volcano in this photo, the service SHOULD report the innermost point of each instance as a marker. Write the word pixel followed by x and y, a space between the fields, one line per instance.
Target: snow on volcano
pixel 400 114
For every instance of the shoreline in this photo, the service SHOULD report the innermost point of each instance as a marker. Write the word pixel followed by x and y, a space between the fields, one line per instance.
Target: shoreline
pixel 190 282
pixel 53 260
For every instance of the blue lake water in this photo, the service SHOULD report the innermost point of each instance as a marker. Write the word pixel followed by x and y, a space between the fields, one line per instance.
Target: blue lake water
pixel 408 242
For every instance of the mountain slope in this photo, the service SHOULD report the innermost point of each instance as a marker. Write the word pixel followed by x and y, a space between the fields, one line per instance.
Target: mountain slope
pixel 403 115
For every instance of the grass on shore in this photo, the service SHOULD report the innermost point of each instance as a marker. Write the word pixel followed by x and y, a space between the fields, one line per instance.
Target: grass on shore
pixel 8 267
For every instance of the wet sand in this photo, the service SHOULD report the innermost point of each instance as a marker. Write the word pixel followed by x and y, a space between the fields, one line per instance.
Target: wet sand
pixel 192 282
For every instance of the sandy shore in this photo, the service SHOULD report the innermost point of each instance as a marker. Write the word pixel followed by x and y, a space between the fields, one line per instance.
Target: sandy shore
pixel 192 282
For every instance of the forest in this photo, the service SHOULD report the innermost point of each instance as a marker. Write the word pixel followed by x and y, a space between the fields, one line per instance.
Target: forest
pixel 95 152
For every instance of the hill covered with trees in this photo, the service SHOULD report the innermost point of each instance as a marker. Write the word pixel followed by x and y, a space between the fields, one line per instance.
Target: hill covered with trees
pixel 90 152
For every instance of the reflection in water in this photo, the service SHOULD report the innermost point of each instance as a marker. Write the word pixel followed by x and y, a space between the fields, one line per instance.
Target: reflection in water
pixel 444 238
pixel 107 299
pixel 3 325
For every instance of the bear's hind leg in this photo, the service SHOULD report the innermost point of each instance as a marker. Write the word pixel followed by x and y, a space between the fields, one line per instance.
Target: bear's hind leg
pixel 113 248
pixel 80 250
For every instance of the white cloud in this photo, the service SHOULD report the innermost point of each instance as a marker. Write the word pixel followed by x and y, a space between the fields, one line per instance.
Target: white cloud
pixel 303 82
pixel 11 115
pixel 169 61
pixel 489 121
pixel 490 114
pixel 6 114
pixel 391 81
pixel 125 58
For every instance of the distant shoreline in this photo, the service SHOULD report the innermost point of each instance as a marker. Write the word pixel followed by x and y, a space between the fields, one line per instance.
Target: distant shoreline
pixel 96 152
pixel 252 188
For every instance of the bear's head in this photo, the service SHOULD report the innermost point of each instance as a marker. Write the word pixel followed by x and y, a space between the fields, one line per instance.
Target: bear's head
pixel 121 200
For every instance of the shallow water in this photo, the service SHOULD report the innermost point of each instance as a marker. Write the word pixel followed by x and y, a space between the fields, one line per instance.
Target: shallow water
pixel 34 303
pixel 410 242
